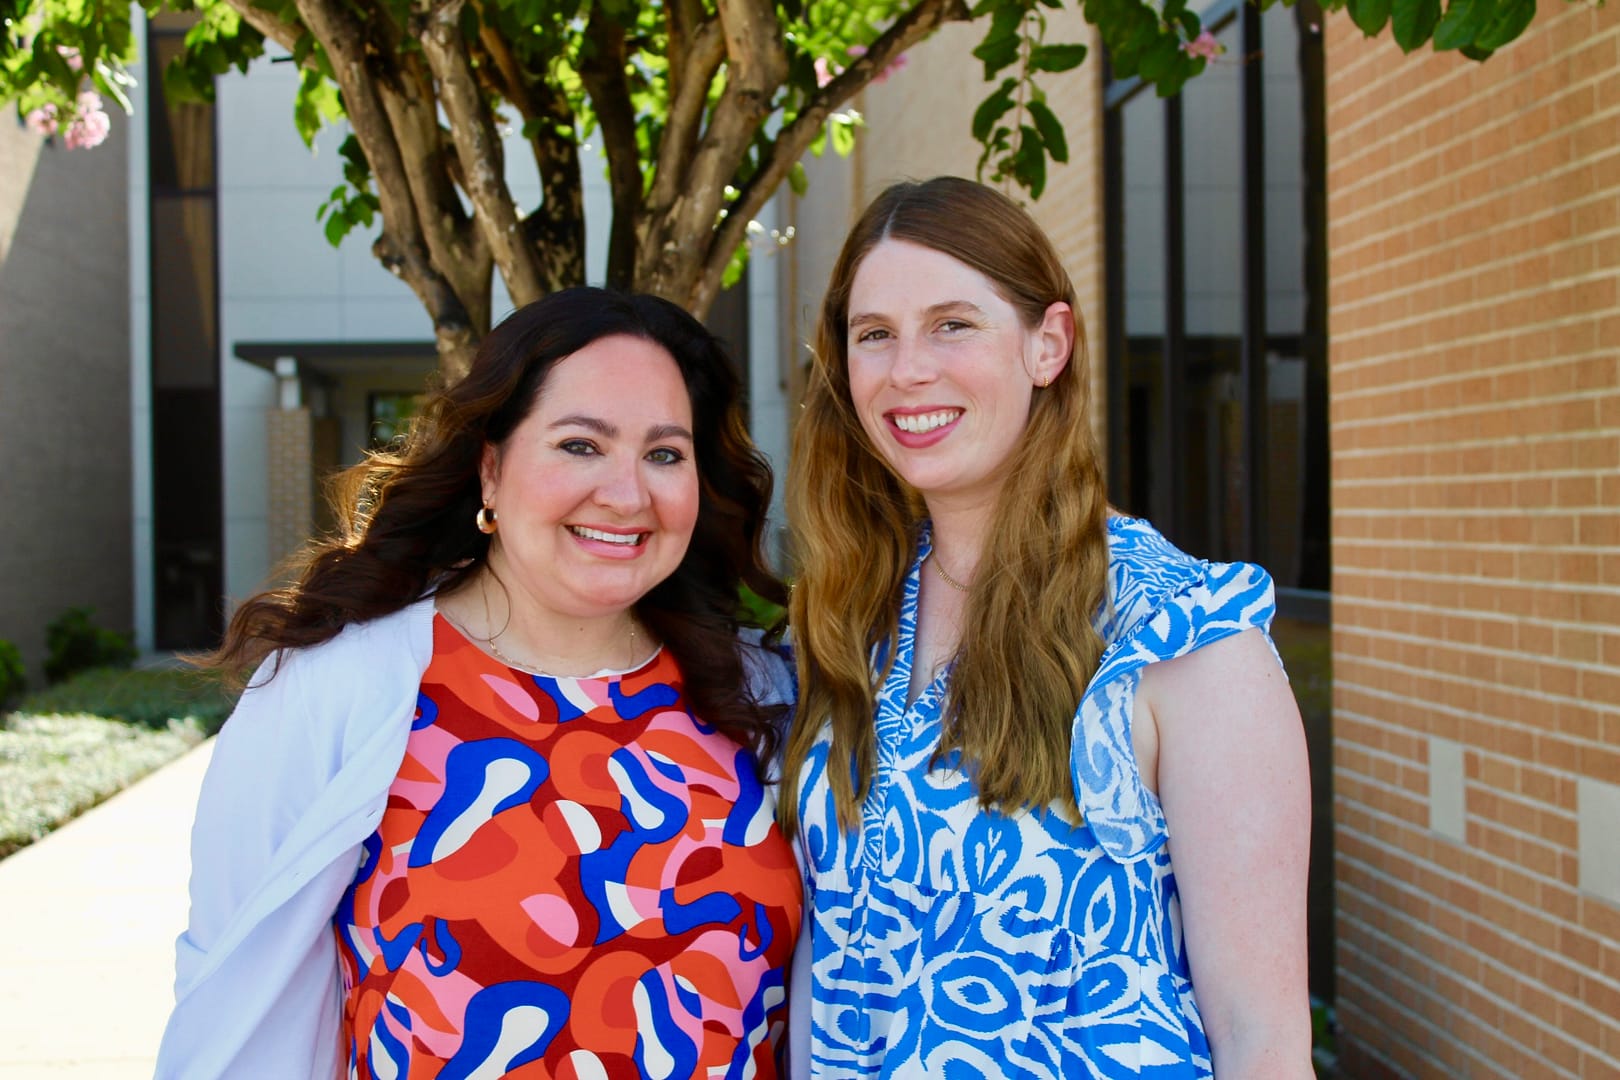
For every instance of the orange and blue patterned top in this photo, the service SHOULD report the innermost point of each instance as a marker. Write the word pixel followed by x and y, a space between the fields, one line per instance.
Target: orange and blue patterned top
pixel 574 877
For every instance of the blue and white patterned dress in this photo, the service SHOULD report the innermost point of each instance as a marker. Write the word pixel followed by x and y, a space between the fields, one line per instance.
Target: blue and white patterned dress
pixel 954 942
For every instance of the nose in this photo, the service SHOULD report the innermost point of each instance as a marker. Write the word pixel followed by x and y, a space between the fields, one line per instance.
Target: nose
pixel 913 363
pixel 622 487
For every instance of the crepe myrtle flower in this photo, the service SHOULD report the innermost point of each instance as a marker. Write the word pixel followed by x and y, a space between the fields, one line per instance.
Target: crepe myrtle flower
pixel 42 121
pixel 1203 47
pixel 90 124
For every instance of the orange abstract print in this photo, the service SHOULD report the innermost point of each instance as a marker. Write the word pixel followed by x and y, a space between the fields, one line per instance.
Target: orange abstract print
pixel 573 878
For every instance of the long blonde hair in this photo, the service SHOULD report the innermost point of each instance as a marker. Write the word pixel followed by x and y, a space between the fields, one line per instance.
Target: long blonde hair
pixel 1042 575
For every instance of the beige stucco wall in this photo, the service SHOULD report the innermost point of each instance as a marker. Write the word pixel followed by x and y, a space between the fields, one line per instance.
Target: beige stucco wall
pixel 918 125
pixel 64 384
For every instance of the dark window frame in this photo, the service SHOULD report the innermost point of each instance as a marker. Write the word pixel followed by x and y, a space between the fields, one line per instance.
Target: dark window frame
pixel 187 439
pixel 1169 507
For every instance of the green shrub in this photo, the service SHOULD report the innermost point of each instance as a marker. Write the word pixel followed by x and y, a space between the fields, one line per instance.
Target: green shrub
pixel 53 768
pixel 13 676
pixel 147 697
pixel 75 643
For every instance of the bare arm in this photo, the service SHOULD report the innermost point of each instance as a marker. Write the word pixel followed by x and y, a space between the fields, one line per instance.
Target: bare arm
pixel 1225 751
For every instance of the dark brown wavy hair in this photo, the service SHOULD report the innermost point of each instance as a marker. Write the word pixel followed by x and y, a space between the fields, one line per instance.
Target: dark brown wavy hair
pixel 405 517
pixel 1020 672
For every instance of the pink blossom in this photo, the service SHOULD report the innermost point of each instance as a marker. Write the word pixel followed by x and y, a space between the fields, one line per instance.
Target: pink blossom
pixel 1204 46
pixel 824 72
pixel 42 121
pixel 90 125
pixel 71 55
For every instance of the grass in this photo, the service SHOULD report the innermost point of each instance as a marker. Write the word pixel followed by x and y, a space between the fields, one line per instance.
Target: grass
pixel 69 747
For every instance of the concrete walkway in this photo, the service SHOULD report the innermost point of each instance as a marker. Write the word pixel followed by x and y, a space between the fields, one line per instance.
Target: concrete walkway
pixel 88 918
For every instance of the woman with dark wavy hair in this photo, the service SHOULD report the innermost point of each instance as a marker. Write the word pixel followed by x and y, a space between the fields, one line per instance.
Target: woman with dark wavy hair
pixel 492 800
pixel 1047 776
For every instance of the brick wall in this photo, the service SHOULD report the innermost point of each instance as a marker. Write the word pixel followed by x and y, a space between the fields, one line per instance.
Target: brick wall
pixel 65 389
pixel 1474 276
pixel 291 486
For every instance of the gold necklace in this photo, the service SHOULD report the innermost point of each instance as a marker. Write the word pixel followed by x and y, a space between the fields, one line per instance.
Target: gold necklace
pixel 940 570
pixel 534 669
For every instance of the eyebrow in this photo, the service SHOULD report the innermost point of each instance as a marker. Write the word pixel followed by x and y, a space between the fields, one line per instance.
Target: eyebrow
pixel 609 431
pixel 941 308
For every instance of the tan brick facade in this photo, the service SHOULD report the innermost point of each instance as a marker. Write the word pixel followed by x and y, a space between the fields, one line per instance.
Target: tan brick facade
pixel 65 387
pixel 291 486
pixel 1474 234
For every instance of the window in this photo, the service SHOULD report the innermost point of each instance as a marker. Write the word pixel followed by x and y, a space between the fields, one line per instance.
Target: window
pixel 1216 261
pixel 1217 352
pixel 188 531
pixel 388 416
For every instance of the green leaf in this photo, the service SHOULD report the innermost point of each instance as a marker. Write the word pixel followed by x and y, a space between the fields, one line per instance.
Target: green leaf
pixel 1001 43
pixel 1414 21
pixel 997 53
pixel 993 108
pixel 797 180
pixel 842 132
pixel 337 227
pixel 1029 165
pixel 1051 129
pixel 1463 21
pixel 735 266
pixel 1159 60
pixel 1369 15
pixel 1056 57
pixel 1510 20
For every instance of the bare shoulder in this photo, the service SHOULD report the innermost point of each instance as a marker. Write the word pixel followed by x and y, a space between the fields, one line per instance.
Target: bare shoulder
pixel 1241 669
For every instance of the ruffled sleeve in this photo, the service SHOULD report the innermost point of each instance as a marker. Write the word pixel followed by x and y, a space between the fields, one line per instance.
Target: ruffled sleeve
pixel 1163 604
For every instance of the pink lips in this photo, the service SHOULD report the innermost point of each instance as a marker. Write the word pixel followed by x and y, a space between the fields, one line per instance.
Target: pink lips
pixel 919 440
pixel 606 548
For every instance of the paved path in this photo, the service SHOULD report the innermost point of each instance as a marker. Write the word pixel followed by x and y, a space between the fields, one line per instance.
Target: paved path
pixel 88 918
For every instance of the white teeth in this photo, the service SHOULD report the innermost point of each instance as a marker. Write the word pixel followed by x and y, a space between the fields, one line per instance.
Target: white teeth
pixel 926 422
pixel 627 539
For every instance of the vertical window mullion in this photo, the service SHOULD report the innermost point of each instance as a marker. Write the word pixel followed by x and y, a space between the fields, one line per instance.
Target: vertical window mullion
pixel 1173 419
pixel 1114 293
pixel 1255 391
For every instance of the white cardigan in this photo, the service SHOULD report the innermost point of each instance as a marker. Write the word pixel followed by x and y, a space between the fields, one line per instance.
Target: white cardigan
pixel 298 780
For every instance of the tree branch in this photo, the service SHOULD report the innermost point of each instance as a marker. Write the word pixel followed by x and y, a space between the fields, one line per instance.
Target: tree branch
pixel 284 34
pixel 689 93
pixel 555 230
pixel 478 148
pixel 791 144
pixel 602 71
pixel 404 247
pixel 756 65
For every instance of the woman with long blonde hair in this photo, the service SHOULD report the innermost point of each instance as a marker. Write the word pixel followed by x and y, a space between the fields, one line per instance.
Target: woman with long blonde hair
pixel 1047 778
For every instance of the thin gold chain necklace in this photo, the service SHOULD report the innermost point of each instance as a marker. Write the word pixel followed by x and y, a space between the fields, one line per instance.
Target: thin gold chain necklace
pixel 946 578
pixel 525 666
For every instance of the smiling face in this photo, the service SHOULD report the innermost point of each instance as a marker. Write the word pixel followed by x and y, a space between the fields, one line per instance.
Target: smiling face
pixel 597 488
pixel 942 369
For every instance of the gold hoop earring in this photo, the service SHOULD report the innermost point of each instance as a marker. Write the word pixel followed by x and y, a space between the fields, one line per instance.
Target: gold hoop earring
pixel 485 519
